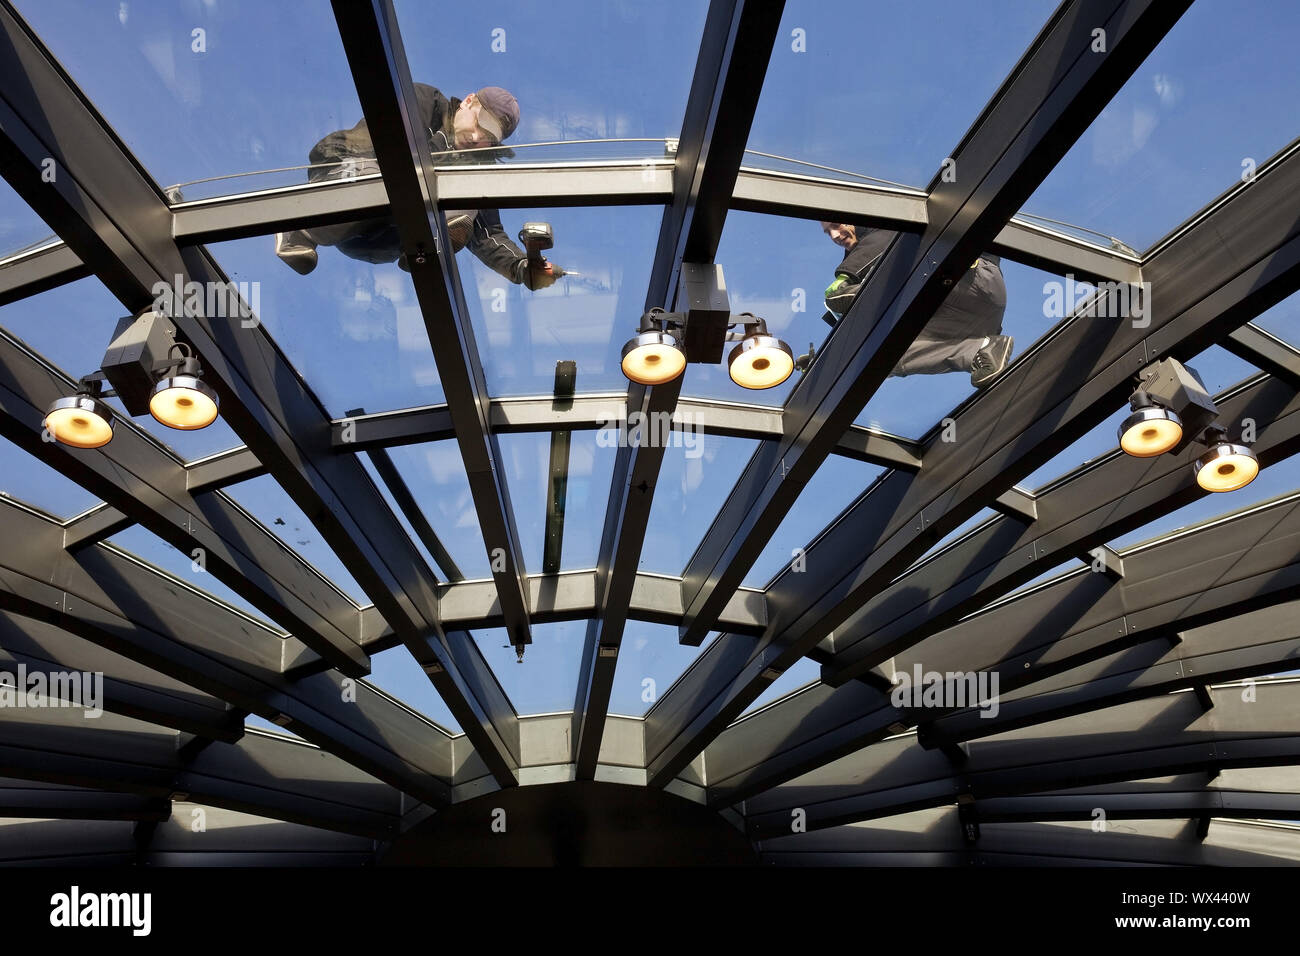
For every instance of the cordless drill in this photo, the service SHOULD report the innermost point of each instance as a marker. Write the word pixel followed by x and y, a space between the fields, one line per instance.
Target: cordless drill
pixel 536 238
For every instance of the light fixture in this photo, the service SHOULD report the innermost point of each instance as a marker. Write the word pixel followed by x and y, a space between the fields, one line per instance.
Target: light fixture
pixel 1170 408
pixel 181 399
pixel 81 420
pixel 1151 430
pixel 760 360
pixel 1226 466
pixel 654 355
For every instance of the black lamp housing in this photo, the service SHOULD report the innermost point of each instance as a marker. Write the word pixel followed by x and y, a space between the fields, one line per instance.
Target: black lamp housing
pixel 1173 386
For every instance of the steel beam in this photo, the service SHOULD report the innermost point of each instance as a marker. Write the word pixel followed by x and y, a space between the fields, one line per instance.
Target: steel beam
pixel 35 272
pixel 373 44
pixel 729 69
pixel 1266 351
pixel 1205 575
pixel 34 800
pixel 1147 738
pixel 115 602
pixel 1053 395
pixel 118 223
pixel 270 776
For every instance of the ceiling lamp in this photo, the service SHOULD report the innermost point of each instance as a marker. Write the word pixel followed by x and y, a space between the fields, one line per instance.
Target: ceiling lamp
pixel 1170 408
pixel 81 420
pixel 181 399
pixel 654 355
pixel 760 360
pixel 1151 430
pixel 1226 466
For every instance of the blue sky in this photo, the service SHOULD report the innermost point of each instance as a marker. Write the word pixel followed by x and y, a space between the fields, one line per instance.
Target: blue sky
pixel 877 89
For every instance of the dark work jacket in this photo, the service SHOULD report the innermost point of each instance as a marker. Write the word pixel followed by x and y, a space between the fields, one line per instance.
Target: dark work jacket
pixel 488 241
pixel 977 301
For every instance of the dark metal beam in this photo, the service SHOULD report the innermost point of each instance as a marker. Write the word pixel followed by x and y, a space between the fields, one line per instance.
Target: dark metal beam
pixel 218 471
pixel 1147 738
pixel 25 798
pixel 127 688
pixel 605 410
pixel 1060 85
pixel 1267 352
pixel 729 70
pixel 1205 575
pixel 35 272
pixel 1054 394
pixel 272 777
pixel 117 221
pixel 121 605
pixel 373 44
pixel 96 525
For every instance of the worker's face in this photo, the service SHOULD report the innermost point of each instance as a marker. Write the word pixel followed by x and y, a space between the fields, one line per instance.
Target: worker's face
pixel 841 233
pixel 469 134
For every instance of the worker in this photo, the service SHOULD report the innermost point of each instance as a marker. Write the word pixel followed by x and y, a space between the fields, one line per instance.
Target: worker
pixel 482 120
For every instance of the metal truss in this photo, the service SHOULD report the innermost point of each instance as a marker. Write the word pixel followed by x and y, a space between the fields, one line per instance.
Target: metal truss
pixel 1105 677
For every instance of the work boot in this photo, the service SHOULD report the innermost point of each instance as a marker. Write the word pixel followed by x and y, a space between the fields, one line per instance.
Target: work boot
pixel 297 250
pixel 990 360
pixel 460 227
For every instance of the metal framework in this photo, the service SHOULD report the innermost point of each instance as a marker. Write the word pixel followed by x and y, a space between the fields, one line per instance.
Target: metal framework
pixel 1113 686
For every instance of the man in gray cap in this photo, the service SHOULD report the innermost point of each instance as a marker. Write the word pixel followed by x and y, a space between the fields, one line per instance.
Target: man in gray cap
pixel 480 121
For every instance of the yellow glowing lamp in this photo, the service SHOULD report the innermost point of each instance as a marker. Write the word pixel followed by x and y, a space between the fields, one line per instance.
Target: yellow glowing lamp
pixel 1150 431
pixel 1226 467
pixel 183 402
pixel 652 358
pixel 760 361
pixel 80 421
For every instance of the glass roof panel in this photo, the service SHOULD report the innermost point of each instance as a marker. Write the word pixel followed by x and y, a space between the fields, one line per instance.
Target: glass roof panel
pixel 150 548
pixel 395 672
pixel 436 476
pixel 881 89
pixel 28 479
pixel 836 485
pixel 434 566
pixel 352 329
pixel 912 404
pixel 1279 478
pixel 1191 122
pixel 694 481
pixel 1283 320
pixel 584 72
pixel 71 327
pixel 272 78
pixel 584 318
pixel 583 497
pixel 547 679
pixel 20 227
pixel 265 500
pixel 804 671
pixel 649 660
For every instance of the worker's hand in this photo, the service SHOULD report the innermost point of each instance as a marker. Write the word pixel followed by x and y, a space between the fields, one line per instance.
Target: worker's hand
pixel 841 293
pixel 535 278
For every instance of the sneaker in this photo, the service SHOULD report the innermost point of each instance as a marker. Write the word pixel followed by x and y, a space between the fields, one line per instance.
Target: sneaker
pixel 297 251
pixel 991 360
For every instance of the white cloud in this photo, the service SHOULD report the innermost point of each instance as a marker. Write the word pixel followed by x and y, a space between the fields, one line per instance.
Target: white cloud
pixel 1118 135
pixel 1168 89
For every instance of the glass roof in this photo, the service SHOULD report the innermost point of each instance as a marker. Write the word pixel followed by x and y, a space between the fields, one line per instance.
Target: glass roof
pixel 1191 123
pixel 20 227
pixel 855 92
pixel 881 89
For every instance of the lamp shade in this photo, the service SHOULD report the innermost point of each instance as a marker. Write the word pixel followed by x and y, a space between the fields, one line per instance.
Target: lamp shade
pixel 760 361
pixel 80 421
pixel 652 358
pixel 183 402
pixel 1226 467
pixel 1150 431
